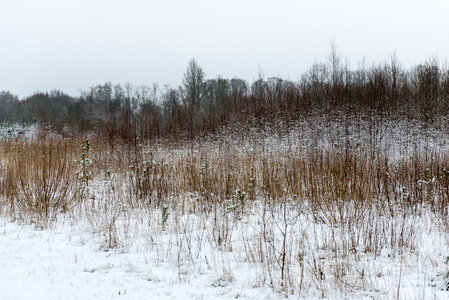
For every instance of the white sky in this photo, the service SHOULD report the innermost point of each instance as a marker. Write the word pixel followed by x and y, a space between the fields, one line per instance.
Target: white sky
pixel 72 45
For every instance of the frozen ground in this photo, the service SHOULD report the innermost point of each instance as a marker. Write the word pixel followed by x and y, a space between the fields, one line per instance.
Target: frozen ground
pixel 58 264
pixel 69 261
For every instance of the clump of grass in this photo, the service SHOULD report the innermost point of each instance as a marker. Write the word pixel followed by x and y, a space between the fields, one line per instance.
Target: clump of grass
pixel 40 178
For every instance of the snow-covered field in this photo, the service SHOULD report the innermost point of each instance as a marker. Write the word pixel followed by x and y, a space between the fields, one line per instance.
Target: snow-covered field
pixel 61 263
pixel 70 261
pixel 188 248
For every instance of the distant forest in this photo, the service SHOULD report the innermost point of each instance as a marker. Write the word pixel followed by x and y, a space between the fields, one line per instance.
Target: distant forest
pixel 201 105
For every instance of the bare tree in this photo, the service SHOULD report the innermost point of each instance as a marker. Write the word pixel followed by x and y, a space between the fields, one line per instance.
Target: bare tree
pixel 336 70
pixel 193 90
pixel 8 106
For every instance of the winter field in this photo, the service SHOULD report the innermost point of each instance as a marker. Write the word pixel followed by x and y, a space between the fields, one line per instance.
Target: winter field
pixel 329 207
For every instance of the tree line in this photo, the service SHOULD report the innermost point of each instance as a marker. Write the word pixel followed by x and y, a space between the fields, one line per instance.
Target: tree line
pixel 200 104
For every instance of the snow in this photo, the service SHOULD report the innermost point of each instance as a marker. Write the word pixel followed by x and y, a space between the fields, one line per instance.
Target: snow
pixel 18 130
pixel 228 254
pixel 69 261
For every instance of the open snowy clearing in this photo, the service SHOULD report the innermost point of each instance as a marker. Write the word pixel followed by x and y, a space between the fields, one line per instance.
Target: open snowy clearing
pixel 59 264
pixel 69 261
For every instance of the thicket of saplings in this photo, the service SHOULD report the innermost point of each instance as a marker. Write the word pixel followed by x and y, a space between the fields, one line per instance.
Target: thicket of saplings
pixel 347 162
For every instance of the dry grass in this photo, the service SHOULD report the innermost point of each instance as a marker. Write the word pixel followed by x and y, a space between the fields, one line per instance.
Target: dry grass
pixel 359 203
pixel 39 178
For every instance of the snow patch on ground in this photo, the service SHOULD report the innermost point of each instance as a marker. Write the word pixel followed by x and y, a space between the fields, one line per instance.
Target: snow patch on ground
pixel 67 261
pixel 59 263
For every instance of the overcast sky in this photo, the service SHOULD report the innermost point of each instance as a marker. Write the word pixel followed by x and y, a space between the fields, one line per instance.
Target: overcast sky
pixel 72 45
